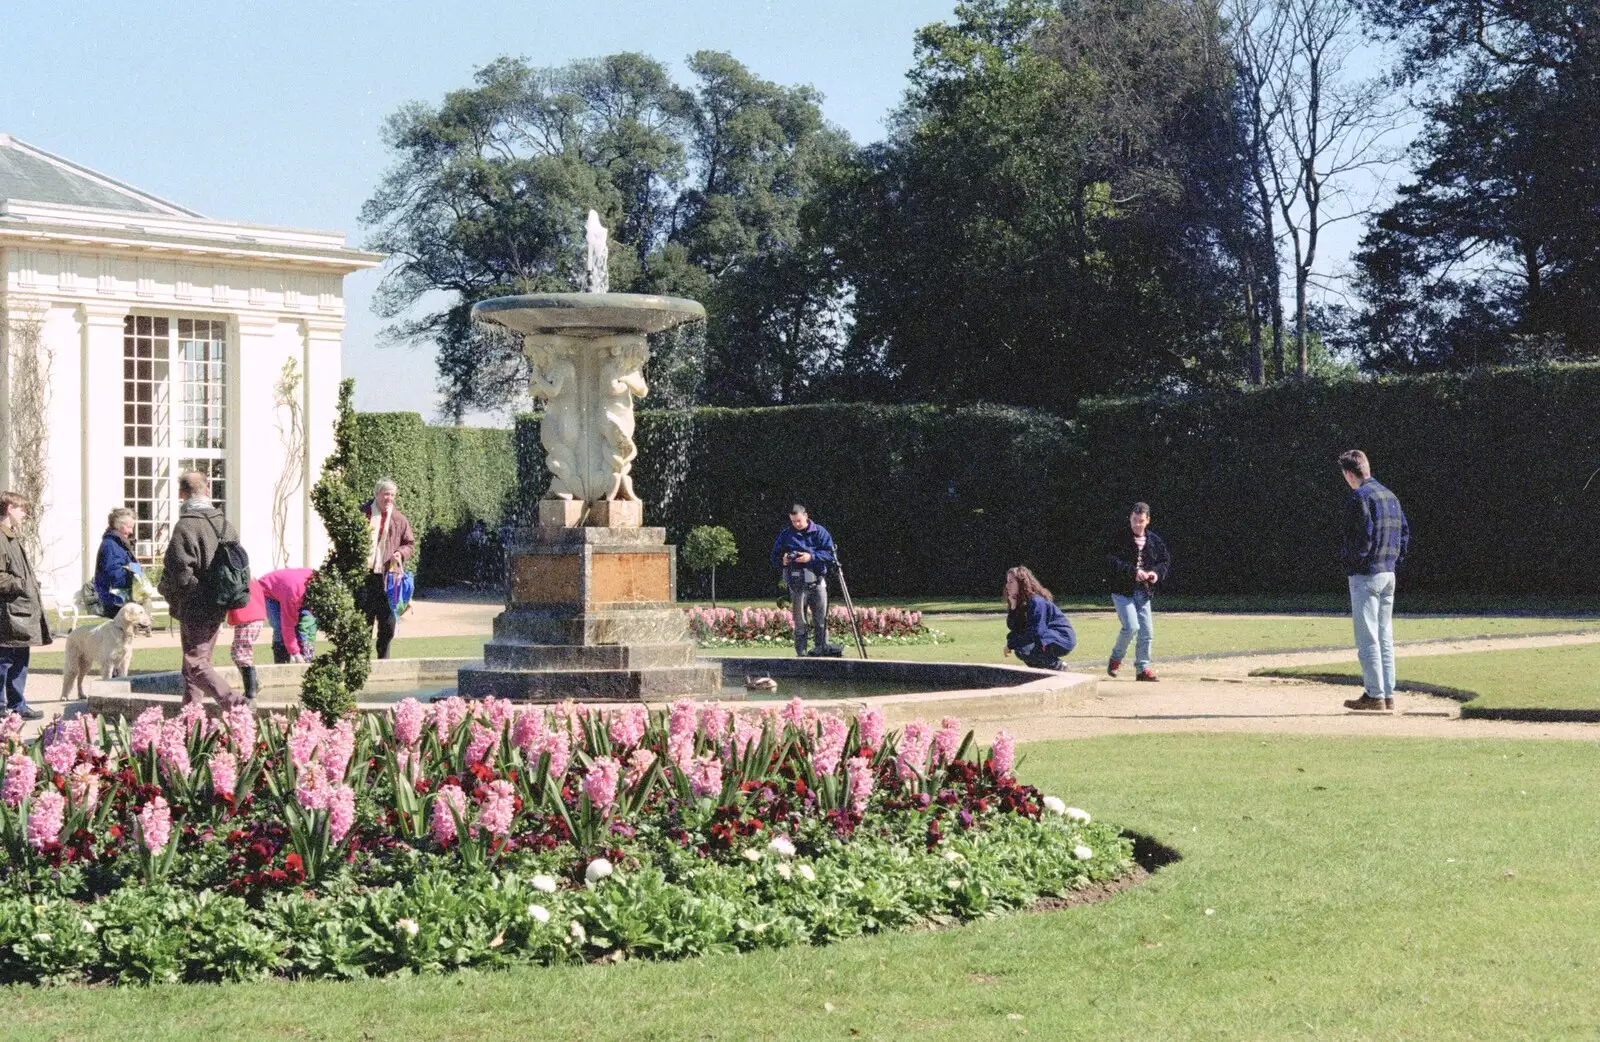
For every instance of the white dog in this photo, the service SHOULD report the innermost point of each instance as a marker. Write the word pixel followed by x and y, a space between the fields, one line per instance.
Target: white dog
pixel 109 643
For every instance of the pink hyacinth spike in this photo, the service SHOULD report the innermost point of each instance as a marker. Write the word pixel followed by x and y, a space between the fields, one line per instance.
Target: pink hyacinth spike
pixel 1003 754
pixel 155 825
pixel 44 819
pixel 21 775
pixel 408 719
pixel 600 782
pixel 443 822
pixel 341 812
pixel 224 772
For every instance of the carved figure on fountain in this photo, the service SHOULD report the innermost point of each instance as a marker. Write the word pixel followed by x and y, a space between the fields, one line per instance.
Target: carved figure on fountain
pixel 624 382
pixel 555 380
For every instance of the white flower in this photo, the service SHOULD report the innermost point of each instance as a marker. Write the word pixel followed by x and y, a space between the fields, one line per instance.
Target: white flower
pixel 1082 853
pixel 1211 911
pixel 539 912
pixel 752 854
pixel 42 938
pixel 784 870
pixel 408 925
pixel 576 930
pixel 953 883
pixel 544 884
pixel 598 869
pixel 1055 805
pixel 88 924
pixel 1080 816
pixel 952 855
pixel 807 873
pixel 782 845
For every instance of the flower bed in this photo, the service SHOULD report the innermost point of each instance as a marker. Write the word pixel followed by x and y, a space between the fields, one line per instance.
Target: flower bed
pixel 754 627
pixel 461 834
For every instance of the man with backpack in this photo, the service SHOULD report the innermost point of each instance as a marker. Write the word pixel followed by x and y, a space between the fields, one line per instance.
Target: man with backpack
pixel 200 578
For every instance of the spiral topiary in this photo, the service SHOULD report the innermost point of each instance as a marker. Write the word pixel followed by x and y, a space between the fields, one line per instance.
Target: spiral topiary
pixel 336 674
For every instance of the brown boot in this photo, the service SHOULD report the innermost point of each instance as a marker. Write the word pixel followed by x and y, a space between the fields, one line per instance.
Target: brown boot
pixel 1388 704
pixel 1366 704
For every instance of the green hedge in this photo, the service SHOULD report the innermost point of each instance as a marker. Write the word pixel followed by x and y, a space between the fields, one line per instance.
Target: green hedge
pixel 926 500
pixel 449 477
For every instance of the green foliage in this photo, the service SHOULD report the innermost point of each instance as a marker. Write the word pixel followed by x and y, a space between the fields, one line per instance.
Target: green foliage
pixel 339 671
pixel 1491 468
pixel 707 547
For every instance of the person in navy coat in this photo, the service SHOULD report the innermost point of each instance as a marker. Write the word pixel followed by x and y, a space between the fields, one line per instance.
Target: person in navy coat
pixel 1037 631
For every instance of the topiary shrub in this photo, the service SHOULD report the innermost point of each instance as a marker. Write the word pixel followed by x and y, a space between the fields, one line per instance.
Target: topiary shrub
pixel 337 673
pixel 705 548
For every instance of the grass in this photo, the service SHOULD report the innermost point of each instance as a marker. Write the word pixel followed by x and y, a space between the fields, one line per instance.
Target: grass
pixel 1352 898
pixel 981 639
pixel 1336 603
pixel 1559 679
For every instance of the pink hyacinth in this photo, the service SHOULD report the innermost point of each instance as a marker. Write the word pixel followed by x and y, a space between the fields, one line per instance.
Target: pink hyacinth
pixel 482 744
pixel 559 746
pixel 858 775
pixel 946 741
pixel 746 732
pixel 1003 755
pixel 240 722
pixel 526 731
pixel 84 787
pixel 872 726
pixel 337 747
pixel 408 717
pixel 498 712
pixel 499 807
pixel 794 714
pixel 146 730
pixel 60 755
pixel 915 741
pixel 639 764
pixel 681 719
pixel 173 749
pixel 155 825
pixel 195 721
pixel 341 812
pixel 600 782
pixel 44 819
pixel 10 728
pixel 224 772
pixel 312 790
pixel 444 823
pixel 830 745
pixel 627 726
pixel 304 737
pixel 447 716
pixel 714 721
pixel 680 750
pixel 705 776
pixel 21 775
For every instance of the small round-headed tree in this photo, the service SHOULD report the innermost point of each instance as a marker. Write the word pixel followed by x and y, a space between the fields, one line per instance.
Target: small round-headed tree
pixel 705 548
pixel 335 675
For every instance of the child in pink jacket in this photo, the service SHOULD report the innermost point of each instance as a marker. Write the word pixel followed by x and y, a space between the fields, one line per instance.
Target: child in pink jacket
pixel 294 629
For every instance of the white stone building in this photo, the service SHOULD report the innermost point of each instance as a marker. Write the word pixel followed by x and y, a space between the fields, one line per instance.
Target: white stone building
pixel 164 333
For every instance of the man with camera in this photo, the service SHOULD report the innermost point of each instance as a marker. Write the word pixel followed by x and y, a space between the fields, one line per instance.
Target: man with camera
pixel 804 551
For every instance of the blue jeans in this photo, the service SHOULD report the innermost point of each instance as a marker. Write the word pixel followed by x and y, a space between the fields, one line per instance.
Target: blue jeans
pixel 1136 618
pixel 14 675
pixel 1372 609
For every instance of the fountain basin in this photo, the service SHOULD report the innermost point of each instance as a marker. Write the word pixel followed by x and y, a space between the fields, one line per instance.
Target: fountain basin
pixel 588 314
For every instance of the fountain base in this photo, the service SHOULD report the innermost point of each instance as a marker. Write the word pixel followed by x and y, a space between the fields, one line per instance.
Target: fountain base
pixel 591 615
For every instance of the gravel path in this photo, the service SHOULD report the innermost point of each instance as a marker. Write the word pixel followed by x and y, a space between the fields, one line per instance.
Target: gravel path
pixel 1217 695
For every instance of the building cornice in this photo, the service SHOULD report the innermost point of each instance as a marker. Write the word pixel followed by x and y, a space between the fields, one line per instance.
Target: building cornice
pixel 31 225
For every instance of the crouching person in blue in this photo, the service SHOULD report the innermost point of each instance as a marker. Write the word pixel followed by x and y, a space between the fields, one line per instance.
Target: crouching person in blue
pixel 804 551
pixel 1037 630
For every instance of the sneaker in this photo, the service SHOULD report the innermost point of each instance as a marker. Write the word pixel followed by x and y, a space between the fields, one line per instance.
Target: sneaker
pixel 1365 704
pixel 1112 667
pixel 1148 676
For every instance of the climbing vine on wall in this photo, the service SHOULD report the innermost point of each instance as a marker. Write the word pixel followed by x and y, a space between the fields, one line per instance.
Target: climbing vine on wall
pixel 28 392
pixel 290 418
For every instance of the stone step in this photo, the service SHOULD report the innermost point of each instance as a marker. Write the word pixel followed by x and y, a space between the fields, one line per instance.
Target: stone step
pixel 595 685
pixel 557 626
pixel 503 654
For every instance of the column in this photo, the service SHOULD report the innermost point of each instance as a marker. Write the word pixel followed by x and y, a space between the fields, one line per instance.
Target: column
pixel 255 450
pixel 101 324
pixel 323 370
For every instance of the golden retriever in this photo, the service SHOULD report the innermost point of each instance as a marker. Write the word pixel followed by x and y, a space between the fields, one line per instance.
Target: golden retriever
pixel 109 643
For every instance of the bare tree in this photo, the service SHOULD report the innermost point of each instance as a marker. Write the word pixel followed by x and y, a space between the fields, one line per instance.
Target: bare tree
pixel 1322 128
pixel 290 419
pixel 1258 49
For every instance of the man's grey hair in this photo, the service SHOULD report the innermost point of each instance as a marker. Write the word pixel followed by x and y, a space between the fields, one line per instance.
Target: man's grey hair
pixel 385 485
pixel 118 515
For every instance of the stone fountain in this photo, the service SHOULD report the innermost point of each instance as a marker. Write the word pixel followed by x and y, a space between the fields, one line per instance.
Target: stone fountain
pixel 591 595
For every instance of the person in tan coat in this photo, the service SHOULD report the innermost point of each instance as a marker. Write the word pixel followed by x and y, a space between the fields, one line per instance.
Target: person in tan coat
pixel 390 545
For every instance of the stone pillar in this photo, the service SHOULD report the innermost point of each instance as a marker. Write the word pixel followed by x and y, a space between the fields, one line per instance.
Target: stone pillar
pixel 101 410
pixel 321 405
pixel 255 452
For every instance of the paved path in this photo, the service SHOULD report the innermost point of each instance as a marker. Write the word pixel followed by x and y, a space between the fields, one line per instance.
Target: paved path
pixel 1217 695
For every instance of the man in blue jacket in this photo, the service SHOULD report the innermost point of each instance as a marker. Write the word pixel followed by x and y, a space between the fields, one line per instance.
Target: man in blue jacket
pixel 804 551
pixel 1375 540
pixel 115 566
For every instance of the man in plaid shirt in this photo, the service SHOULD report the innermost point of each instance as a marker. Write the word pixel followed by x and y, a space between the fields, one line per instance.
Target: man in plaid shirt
pixel 1376 538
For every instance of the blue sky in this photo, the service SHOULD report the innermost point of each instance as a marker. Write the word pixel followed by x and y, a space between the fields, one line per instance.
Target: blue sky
pixel 270 112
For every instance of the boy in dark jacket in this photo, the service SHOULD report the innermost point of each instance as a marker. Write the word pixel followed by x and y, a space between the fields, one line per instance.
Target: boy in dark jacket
pixel 1139 560
pixel 1036 629
pixel 804 551
pixel 23 626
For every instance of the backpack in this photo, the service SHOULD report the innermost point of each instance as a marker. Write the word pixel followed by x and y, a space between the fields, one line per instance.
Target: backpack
pixel 227 581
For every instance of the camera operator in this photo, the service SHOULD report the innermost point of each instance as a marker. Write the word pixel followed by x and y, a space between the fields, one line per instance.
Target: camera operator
pixel 804 551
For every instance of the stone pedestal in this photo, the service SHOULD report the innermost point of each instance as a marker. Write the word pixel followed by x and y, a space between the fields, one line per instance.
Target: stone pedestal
pixel 591 614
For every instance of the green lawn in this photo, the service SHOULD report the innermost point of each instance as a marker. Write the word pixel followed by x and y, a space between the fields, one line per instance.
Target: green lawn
pixel 1560 678
pixel 1269 603
pixel 1359 888
pixel 981 639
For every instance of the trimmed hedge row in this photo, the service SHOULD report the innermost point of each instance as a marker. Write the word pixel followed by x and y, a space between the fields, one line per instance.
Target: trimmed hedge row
pixel 926 500
pixel 449 477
